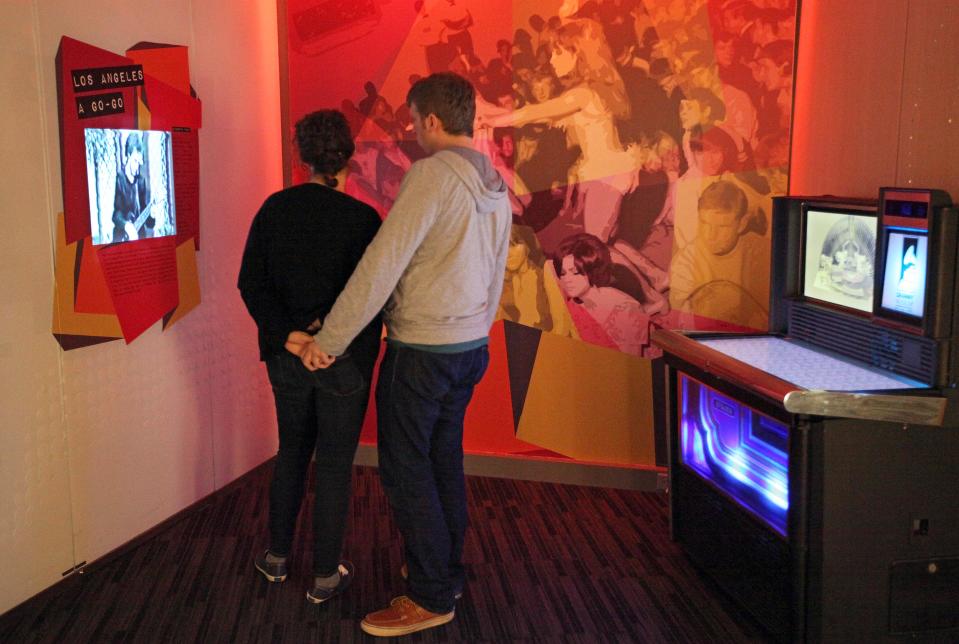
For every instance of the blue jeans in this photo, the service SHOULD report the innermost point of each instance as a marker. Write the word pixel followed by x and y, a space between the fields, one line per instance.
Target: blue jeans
pixel 421 399
pixel 319 411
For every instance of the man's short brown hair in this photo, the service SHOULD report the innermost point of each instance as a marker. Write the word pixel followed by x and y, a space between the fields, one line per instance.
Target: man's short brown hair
pixel 450 97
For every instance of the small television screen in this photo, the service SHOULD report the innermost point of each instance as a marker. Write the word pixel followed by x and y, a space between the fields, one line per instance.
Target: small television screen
pixel 130 184
pixel 839 257
pixel 904 278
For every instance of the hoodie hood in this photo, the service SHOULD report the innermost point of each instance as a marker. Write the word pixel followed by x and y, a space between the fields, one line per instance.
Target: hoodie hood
pixel 478 174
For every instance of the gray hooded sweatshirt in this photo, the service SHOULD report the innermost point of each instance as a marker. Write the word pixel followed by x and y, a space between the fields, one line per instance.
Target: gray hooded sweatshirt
pixel 436 263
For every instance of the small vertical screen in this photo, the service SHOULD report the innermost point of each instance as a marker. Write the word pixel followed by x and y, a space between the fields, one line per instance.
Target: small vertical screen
pixel 904 281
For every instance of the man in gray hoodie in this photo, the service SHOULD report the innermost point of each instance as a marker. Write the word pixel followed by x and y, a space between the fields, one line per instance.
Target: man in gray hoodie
pixel 437 264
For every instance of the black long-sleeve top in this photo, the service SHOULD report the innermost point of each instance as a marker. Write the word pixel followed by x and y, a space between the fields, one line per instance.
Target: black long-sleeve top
pixel 303 245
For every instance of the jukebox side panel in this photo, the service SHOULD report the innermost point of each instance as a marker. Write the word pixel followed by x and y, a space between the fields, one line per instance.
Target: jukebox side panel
pixel 730 495
pixel 740 451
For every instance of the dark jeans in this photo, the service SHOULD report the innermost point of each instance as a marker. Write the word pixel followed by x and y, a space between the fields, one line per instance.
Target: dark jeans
pixel 421 398
pixel 319 411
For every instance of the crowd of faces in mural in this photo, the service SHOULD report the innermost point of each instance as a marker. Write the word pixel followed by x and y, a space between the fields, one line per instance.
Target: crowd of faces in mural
pixel 642 140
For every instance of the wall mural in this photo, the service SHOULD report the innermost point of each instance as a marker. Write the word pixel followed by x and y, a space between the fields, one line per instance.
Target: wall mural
pixel 643 141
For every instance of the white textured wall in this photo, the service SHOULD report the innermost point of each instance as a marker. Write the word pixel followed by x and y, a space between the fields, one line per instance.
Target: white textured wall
pixel 99 444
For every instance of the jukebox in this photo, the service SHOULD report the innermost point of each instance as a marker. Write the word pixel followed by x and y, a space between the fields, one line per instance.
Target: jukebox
pixel 814 470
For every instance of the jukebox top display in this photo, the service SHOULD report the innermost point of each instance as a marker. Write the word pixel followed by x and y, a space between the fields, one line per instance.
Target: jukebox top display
pixel 839 256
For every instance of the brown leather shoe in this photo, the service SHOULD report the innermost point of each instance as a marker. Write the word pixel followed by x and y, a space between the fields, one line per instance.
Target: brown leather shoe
pixel 403 616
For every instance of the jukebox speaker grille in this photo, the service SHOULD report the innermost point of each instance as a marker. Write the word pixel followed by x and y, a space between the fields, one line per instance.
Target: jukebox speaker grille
pixel 896 351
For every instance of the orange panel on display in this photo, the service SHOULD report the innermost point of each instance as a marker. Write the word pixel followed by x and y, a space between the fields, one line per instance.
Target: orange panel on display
pixel 167 63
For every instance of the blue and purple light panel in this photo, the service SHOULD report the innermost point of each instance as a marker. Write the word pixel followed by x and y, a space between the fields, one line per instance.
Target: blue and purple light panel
pixel 739 450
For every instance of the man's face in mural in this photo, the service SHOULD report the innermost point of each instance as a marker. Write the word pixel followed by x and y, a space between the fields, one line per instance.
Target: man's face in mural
pixel 542 89
pixel 563 61
pixel 719 230
pixel 573 283
pixel 725 52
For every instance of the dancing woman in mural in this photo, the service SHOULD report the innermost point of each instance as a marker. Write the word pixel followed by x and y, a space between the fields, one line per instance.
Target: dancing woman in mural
pixel 587 110
pixel 606 170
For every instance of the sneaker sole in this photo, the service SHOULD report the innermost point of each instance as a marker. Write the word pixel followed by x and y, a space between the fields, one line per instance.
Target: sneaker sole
pixel 396 631
pixel 319 600
pixel 271 578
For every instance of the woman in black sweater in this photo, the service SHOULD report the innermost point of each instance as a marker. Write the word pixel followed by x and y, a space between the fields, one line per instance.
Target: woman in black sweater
pixel 302 248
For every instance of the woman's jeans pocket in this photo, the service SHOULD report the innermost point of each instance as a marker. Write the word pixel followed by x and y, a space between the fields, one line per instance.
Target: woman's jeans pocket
pixel 342 378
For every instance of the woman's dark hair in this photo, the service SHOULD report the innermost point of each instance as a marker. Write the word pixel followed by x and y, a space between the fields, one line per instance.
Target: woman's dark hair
pixel 450 97
pixel 590 257
pixel 324 143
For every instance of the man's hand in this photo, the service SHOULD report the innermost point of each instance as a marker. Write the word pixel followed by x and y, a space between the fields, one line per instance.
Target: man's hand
pixel 315 358
pixel 296 340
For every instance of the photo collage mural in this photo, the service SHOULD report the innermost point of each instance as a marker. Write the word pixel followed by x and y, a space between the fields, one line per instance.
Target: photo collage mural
pixel 643 141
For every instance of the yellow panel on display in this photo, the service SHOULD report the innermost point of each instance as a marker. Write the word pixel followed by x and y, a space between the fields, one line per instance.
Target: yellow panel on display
pixel 189 283
pixel 590 403
pixel 66 321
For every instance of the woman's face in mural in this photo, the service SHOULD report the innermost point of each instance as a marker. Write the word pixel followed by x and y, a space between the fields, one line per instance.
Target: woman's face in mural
pixel 690 114
pixel 573 283
pixel 517 254
pixel 713 160
pixel 563 61
pixel 766 73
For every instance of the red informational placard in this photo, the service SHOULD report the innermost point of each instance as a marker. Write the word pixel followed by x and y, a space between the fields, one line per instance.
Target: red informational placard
pixel 142 278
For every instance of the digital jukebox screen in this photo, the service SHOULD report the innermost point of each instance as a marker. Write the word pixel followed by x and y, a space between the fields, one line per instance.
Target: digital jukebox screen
pixel 735 448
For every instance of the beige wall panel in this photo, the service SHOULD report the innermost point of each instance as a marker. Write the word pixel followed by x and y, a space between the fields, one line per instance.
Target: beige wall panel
pixel 848 94
pixel 35 526
pixel 137 419
pixel 929 128
pixel 106 442
pixel 237 77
